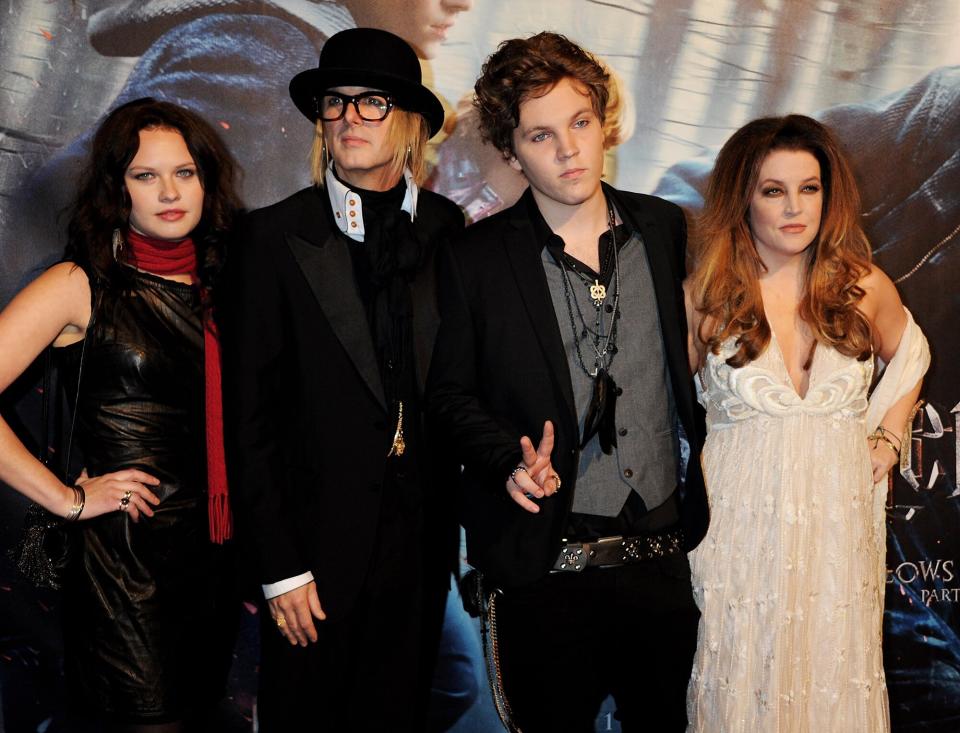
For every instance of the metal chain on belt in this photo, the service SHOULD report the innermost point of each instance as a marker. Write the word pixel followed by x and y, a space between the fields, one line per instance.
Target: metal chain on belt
pixel 491 656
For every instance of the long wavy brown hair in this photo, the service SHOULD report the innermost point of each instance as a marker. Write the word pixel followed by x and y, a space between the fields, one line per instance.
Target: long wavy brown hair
pixel 725 283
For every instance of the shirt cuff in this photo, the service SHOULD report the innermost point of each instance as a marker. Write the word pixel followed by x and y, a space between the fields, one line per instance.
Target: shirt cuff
pixel 272 590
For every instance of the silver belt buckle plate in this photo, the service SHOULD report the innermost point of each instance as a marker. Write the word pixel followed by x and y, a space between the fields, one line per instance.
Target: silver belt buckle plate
pixel 571 558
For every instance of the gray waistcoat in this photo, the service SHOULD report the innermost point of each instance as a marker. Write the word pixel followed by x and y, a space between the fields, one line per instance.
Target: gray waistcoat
pixel 646 457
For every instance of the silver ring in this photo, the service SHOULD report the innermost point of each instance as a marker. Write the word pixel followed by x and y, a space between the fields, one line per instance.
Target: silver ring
pixel 514 472
pixel 125 501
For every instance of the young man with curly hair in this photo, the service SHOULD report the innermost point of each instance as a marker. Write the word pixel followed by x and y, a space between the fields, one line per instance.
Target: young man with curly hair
pixel 561 377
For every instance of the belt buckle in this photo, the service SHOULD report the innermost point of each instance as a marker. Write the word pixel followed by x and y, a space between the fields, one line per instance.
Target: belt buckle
pixel 571 558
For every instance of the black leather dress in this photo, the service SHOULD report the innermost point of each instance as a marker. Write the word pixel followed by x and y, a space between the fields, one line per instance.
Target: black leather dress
pixel 140 622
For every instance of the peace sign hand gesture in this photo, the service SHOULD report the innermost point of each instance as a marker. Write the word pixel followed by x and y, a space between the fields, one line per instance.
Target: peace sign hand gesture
pixel 534 477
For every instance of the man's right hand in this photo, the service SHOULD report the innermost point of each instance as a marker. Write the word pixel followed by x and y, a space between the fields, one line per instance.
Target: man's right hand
pixel 294 611
pixel 536 477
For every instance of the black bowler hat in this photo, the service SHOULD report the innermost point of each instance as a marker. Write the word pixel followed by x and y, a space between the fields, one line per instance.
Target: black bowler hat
pixel 368 57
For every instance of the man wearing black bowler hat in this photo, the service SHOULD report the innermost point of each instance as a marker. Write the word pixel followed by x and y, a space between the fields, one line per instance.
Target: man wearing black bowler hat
pixel 332 316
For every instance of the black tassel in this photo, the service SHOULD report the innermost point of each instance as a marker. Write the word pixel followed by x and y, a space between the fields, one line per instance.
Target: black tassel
pixel 601 414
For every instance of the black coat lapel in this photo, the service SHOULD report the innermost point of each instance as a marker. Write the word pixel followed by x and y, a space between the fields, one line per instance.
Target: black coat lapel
pixel 426 318
pixel 666 286
pixel 524 253
pixel 435 224
pixel 329 273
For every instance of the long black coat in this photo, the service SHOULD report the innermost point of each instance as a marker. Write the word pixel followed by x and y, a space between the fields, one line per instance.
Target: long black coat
pixel 500 370
pixel 306 418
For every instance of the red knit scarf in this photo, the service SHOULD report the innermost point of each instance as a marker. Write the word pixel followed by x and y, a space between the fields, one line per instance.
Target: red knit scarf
pixel 162 257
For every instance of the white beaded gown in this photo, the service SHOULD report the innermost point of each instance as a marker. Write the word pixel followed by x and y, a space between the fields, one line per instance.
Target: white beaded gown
pixel 790 577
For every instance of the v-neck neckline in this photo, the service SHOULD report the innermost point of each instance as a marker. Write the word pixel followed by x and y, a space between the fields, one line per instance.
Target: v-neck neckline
pixel 786 369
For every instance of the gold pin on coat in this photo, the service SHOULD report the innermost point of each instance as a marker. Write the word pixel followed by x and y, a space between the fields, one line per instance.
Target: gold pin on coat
pixel 399 446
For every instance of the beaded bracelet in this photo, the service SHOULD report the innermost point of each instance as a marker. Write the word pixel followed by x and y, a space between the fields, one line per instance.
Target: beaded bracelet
pixel 514 472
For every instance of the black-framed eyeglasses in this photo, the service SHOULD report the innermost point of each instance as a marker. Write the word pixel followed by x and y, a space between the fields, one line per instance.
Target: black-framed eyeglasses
pixel 371 106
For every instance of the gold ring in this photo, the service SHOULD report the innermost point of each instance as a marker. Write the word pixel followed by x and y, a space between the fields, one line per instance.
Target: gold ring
pixel 556 478
pixel 281 622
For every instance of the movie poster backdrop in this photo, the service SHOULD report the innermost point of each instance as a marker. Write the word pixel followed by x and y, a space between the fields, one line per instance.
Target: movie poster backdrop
pixel 883 73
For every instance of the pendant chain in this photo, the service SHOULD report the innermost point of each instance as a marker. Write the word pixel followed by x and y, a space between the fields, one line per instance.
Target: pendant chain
pixel 603 345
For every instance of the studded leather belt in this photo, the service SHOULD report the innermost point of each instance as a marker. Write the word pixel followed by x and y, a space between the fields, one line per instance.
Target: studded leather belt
pixel 613 551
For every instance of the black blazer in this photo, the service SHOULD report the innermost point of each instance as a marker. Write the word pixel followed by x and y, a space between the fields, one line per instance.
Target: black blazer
pixel 499 370
pixel 307 424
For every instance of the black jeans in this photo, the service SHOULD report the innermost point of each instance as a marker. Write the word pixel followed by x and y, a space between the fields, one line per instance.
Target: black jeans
pixel 569 640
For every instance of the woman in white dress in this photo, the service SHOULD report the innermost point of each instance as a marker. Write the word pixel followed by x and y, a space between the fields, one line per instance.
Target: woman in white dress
pixel 786 315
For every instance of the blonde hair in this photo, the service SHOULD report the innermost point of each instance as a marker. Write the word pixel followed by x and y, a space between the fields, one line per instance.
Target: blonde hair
pixel 619 118
pixel 407 135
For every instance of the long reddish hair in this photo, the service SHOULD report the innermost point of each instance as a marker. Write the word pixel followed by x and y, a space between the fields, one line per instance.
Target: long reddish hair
pixel 725 283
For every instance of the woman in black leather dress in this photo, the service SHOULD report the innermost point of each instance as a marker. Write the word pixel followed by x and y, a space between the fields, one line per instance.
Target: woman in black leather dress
pixel 131 309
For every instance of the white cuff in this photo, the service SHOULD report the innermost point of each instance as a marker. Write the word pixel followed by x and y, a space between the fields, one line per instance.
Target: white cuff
pixel 272 590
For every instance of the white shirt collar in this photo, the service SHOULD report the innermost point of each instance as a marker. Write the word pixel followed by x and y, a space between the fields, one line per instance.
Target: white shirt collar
pixel 348 208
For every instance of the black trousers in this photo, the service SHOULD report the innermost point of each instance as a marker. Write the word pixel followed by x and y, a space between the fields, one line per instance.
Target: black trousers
pixel 569 640
pixel 366 672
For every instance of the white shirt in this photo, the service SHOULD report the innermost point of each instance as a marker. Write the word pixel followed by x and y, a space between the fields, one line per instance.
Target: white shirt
pixel 348 208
